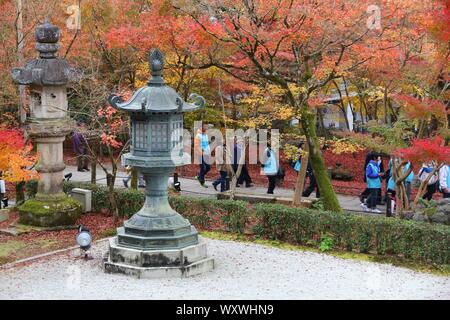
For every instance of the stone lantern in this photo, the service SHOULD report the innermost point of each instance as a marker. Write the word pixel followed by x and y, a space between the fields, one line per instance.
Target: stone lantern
pixel 47 77
pixel 157 241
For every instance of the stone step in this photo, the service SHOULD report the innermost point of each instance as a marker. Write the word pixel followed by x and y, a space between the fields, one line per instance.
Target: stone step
pixel 4 215
pixel 190 270
pixel 156 258
pixel 158 242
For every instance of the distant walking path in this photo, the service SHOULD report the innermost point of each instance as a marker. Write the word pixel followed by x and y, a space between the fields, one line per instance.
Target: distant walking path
pixel 192 187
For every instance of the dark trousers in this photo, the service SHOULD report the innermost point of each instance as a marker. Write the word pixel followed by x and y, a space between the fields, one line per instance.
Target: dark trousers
pixel 222 180
pixel 272 183
pixel 244 176
pixel 390 199
pixel 446 195
pixel 204 169
pixel 366 193
pixel 1 200
pixel 312 186
pixel 372 199
pixel 431 189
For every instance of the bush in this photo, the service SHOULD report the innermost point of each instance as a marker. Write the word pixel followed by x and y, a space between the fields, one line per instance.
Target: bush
pixel 322 229
pixel 342 174
pixel 367 234
pixel 206 213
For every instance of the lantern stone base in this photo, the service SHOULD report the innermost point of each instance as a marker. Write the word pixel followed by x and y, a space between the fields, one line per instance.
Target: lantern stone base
pixel 61 211
pixel 185 262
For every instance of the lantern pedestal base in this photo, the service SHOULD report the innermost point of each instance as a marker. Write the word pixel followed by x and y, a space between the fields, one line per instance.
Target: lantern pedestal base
pixel 63 211
pixel 185 262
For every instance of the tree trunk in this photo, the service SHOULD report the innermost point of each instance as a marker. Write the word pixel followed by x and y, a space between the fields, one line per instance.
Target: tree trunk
pixel 387 116
pixel 134 178
pixel 423 186
pixel 94 170
pixel 327 193
pixel 300 183
pixel 112 197
pixel 19 47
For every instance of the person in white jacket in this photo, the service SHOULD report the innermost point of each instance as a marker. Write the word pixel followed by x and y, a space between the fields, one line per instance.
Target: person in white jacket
pixel 2 190
pixel 444 180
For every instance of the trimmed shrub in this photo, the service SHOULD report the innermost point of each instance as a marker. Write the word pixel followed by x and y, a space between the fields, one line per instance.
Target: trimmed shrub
pixel 367 234
pixel 323 229
pixel 206 213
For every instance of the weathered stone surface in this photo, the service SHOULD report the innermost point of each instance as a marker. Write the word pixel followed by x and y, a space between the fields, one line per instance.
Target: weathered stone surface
pixel 4 214
pixel 184 262
pixel 48 124
pixel 441 214
pixel 83 197
pixel 49 213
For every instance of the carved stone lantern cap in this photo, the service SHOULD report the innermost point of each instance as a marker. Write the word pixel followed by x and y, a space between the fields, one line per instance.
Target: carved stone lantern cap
pixel 47 37
pixel 157 96
pixel 47 69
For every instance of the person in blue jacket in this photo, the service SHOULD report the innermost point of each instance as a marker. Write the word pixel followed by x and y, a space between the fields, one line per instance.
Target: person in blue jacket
pixel 373 180
pixel 390 196
pixel 408 181
pixel 270 168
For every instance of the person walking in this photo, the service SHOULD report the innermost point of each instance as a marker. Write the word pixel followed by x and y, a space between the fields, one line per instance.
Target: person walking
pixel 373 181
pixel 390 196
pixel 312 182
pixel 2 191
pixel 223 163
pixel 408 181
pixel 363 196
pixel 244 176
pixel 79 145
pixel 203 154
pixel 444 180
pixel 423 175
pixel 270 168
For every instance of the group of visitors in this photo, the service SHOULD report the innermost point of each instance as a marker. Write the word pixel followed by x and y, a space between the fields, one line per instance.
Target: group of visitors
pixel 374 173
pixel 227 161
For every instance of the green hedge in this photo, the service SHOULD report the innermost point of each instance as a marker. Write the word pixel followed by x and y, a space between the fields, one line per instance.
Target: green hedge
pixel 326 230
pixel 205 213
pixel 367 234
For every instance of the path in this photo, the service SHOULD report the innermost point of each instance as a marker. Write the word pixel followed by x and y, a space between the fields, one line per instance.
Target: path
pixel 192 187
pixel 242 271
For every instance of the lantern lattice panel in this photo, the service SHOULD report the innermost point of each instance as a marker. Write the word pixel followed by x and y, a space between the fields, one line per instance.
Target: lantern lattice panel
pixel 141 135
pixel 159 131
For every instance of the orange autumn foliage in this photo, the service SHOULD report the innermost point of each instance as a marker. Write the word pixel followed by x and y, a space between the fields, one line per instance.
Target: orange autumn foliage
pixel 16 157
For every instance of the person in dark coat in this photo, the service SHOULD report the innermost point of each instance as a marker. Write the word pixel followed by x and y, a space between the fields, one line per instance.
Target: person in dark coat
pixel 244 176
pixel 80 148
pixel 312 182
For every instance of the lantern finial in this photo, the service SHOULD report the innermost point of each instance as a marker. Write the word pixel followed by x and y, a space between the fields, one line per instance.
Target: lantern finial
pixel 156 59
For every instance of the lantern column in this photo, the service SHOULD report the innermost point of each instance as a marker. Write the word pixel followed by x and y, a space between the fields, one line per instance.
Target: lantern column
pixel 157 241
pixel 47 77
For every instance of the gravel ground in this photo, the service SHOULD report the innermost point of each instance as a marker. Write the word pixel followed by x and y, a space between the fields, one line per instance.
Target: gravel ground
pixel 243 271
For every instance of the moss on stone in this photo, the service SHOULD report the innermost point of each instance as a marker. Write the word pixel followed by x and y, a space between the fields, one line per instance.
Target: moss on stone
pixel 50 213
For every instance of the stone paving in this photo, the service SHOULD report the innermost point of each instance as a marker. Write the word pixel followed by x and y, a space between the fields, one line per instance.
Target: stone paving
pixel 242 271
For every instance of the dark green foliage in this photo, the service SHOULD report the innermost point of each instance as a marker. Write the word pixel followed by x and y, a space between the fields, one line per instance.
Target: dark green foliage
pixel 323 229
pixel 210 213
pixel 341 174
pixel 368 234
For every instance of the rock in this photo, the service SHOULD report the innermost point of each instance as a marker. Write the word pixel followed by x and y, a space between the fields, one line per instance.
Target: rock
pixel 4 215
pixel 441 215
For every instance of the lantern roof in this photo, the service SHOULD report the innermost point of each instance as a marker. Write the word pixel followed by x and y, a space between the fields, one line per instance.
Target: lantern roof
pixel 47 69
pixel 157 96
